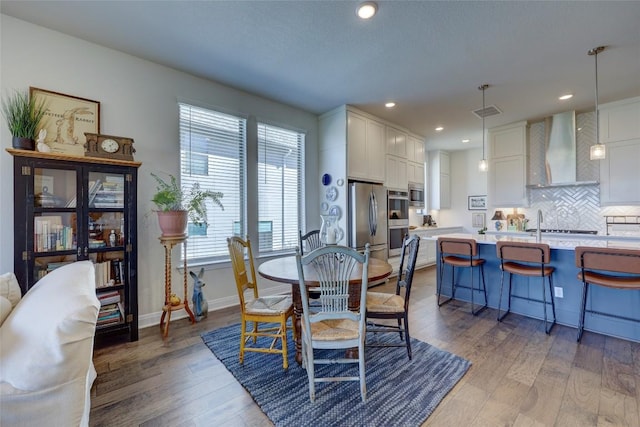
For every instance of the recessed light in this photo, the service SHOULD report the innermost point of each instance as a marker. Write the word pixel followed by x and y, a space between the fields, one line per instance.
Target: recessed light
pixel 367 9
pixel 439 129
pixel 465 141
pixel 390 104
pixel 565 97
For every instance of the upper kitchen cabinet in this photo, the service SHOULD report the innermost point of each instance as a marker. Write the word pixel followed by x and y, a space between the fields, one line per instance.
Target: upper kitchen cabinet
pixel 415 160
pixel 365 148
pixel 440 180
pixel 620 170
pixel 620 174
pixel 507 175
pixel 620 120
pixel 396 142
pixel 396 174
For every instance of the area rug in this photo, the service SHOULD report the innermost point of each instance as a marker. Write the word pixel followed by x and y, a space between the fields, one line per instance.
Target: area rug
pixel 399 392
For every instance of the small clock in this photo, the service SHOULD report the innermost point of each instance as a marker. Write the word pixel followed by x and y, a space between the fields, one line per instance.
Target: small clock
pixel 109 146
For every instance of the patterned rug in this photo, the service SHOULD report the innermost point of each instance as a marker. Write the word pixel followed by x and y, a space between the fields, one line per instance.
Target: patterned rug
pixel 399 392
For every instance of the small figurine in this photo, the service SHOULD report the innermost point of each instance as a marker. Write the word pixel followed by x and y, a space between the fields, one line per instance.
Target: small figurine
pixel 40 144
pixel 200 305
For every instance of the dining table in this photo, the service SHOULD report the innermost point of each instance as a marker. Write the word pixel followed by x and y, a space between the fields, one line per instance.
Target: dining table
pixel 285 270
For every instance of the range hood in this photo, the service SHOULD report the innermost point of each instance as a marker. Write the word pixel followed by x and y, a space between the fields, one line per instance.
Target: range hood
pixel 560 151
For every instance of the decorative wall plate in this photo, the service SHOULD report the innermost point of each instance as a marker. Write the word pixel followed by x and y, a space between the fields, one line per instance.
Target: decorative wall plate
pixel 335 211
pixel 324 206
pixel 340 182
pixel 326 179
pixel 331 194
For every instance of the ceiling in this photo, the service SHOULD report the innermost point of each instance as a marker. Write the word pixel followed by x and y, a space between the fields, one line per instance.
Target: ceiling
pixel 427 56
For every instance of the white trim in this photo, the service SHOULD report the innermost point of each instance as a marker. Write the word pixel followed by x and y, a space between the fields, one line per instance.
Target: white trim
pixel 153 319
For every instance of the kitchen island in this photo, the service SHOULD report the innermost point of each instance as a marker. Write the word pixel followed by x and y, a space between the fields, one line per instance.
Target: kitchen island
pixel 605 300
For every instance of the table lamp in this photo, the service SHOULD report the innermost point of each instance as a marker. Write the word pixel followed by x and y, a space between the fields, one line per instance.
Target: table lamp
pixel 498 217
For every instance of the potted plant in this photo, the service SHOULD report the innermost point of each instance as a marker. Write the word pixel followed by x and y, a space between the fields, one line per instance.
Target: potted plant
pixel 176 205
pixel 23 114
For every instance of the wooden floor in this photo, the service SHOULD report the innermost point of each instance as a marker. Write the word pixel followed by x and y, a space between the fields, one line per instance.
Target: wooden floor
pixel 519 376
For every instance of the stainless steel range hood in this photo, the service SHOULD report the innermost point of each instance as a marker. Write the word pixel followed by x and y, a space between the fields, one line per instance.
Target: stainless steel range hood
pixel 560 152
pixel 560 148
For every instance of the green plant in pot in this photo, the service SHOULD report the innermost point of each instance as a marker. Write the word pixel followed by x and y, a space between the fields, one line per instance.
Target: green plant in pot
pixel 176 205
pixel 23 114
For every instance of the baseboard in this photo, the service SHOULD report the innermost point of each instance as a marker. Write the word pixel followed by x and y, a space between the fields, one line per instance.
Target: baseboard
pixel 153 319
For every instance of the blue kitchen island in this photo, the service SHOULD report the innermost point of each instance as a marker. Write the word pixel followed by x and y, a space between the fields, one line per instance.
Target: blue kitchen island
pixel 624 303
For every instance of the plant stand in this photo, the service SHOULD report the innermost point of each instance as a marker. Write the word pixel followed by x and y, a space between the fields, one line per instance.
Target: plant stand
pixel 169 243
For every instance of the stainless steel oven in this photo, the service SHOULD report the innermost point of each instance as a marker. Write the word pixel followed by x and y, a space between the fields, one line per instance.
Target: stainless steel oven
pixel 398 208
pixel 396 236
pixel 398 212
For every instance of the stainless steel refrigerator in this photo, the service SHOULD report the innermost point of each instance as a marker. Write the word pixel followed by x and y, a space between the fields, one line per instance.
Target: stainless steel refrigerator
pixel 368 218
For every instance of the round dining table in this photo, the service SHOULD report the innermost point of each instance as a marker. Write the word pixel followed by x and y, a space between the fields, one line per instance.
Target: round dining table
pixel 285 270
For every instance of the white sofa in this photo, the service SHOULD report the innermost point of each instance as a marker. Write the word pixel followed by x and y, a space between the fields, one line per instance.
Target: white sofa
pixel 46 351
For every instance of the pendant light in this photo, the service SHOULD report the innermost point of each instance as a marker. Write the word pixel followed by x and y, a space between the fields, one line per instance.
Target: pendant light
pixel 597 151
pixel 483 166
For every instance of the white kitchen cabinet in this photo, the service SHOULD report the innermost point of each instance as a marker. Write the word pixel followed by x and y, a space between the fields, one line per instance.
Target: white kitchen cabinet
pixel 415 172
pixel 620 174
pixel 415 150
pixel 620 120
pixel 507 174
pixel 396 142
pixel 365 148
pixel 439 180
pixel 396 173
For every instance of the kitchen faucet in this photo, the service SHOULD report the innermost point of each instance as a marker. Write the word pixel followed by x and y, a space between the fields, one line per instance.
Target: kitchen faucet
pixel 538 230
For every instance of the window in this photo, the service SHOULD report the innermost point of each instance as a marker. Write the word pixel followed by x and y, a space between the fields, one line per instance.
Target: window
pixel 212 152
pixel 280 188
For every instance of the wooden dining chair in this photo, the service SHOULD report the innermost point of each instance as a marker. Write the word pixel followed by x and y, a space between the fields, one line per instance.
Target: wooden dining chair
pixel 382 305
pixel 270 309
pixel 333 325
pixel 594 263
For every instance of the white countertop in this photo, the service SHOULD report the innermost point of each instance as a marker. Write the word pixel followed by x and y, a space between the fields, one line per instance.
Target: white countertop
pixel 554 240
pixel 436 230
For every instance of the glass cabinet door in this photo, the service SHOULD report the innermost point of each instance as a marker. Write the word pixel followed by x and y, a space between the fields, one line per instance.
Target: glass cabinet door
pixel 53 233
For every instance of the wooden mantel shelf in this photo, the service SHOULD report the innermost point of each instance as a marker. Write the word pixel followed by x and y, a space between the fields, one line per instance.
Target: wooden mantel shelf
pixel 58 156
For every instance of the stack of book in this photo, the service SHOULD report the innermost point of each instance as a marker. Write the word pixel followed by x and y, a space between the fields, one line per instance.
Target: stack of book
pixel 110 309
pixel 43 271
pixel 111 195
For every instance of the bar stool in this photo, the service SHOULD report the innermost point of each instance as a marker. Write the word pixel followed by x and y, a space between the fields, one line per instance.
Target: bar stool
pixel 593 261
pixel 529 260
pixel 462 253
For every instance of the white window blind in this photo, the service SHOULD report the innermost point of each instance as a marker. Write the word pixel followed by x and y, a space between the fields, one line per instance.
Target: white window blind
pixel 280 188
pixel 213 153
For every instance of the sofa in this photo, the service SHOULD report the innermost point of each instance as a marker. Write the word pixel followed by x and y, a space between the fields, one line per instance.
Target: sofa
pixel 46 348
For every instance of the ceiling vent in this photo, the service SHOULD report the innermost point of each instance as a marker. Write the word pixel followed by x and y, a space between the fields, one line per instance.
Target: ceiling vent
pixel 489 110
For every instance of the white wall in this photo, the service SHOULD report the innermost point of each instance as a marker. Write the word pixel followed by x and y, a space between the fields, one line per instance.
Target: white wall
pixel 466 180
pixel 138 99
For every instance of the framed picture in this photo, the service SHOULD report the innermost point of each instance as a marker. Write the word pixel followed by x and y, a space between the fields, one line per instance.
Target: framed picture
pixel 66 120
pixel 478 220
pixel 477 203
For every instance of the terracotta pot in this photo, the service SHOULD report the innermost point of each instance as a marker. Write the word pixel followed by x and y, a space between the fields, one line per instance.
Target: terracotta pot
pixel 173 223
pixel 23 143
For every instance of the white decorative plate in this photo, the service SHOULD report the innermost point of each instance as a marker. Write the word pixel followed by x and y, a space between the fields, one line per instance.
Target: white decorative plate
pixel 324 206
pixel 331 194
pixel 340 182
pixel 335 211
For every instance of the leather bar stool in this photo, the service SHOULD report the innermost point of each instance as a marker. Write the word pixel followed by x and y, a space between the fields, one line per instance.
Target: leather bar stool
pixel 593 262
pixel 528 260
pixel 461 253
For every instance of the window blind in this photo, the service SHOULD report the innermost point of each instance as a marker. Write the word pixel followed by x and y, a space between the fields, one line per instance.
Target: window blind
pixel 213 153
pixel 280 188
